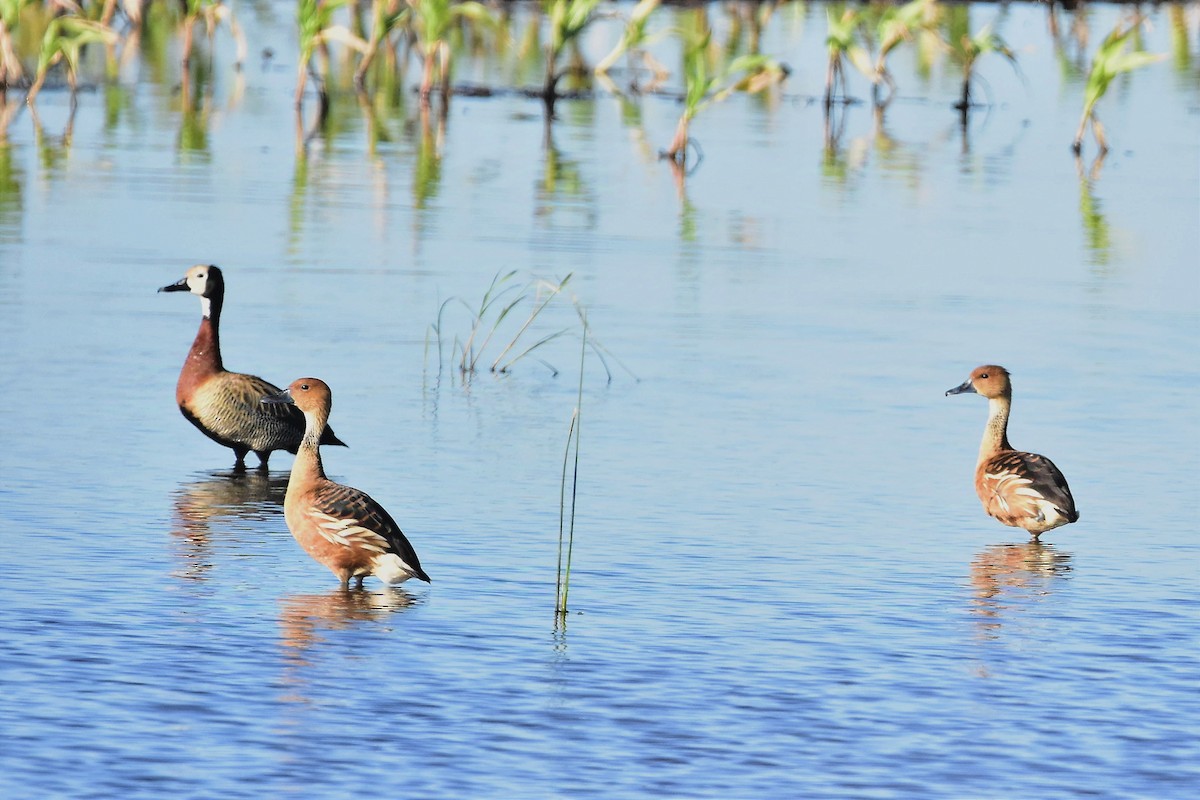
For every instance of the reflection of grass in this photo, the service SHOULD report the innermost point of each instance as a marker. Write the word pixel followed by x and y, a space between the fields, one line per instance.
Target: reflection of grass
pixel 1181 50
pixel 427 176
pixel 10 186
pixel 195 93
pixel 1097 237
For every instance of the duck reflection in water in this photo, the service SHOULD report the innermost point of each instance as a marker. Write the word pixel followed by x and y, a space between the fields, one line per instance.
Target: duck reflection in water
pixel 304 617
pixel 225 499
pixel 1006 576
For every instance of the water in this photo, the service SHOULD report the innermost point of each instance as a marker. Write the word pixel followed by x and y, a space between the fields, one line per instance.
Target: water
pixel 783 583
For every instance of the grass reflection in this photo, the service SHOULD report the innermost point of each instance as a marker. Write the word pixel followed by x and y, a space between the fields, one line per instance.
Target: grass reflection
pixel 842 163
pixel 53 150
pixel 1181 46
pixel 1097 238
pixel 562 186
pixel 427 176
pixel 11 204
pixel 195 100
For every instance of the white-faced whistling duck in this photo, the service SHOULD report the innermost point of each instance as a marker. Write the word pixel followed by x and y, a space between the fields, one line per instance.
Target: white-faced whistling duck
pixel 339 526
pixel 225 405
pixel 1023 490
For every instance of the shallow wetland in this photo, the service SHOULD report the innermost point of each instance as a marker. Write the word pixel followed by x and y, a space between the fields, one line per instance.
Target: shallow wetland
pixel 783 584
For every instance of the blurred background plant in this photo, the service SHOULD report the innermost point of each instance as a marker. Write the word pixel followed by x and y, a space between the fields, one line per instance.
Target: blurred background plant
pixel 11 71
pixel 634 43
pixel 893 26
pixel 431 22
pixel 64 41
pixel 707 81
pixel 1112 59
pixel 966 49
pixel 318 28
pixel 388 17
pixel 843 46
pixel 568 19
pixel 547 43
pixel 212 13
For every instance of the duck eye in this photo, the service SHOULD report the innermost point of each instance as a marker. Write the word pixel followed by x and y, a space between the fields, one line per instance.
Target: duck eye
pixel 304 387
pixel 984 375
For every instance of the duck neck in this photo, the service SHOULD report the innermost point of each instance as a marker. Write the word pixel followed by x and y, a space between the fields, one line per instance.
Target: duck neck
pixel 995 435
pixel 206 348
pixel 307 468
pixel 204 359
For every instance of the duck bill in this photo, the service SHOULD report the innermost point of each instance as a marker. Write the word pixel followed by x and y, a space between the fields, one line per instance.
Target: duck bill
pixel 179 286
pixel 284 398
pixel 963 388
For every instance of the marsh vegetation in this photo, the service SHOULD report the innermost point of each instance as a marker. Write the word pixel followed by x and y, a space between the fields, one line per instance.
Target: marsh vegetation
pixel 794 305
pixel 367 49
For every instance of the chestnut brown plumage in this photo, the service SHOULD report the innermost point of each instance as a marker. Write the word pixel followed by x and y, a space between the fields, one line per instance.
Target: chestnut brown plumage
pixel 1024 490
pixel 225 405
pixel 339 526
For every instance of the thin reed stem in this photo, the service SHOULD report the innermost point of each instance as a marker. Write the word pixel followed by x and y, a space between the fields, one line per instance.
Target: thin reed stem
pixel 532 316
pixel 576 426
pixel 559 593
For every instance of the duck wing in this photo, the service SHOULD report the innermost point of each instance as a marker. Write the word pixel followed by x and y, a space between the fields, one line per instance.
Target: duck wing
pixel 231 406
pixel 350 517
pixel 284 414
pixel 1014 480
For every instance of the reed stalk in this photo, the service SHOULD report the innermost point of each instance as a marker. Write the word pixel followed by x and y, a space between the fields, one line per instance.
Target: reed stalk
pixel 554 292
pixel 567 522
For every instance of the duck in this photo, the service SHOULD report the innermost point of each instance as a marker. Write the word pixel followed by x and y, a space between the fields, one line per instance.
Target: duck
pixel 1022 490
pixel 341 527
pixel 225 405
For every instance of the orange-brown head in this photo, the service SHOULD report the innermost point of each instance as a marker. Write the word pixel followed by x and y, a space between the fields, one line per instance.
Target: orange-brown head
pixel 310 395
pixel 989 380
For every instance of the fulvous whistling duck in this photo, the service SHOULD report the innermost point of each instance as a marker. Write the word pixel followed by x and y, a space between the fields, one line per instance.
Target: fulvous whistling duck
pixel 1023 490
pixel 225 405
pixel 339 526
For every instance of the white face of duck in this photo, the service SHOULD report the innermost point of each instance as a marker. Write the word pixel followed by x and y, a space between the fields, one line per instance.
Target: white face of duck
pixel 197 279
pixel 204 281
